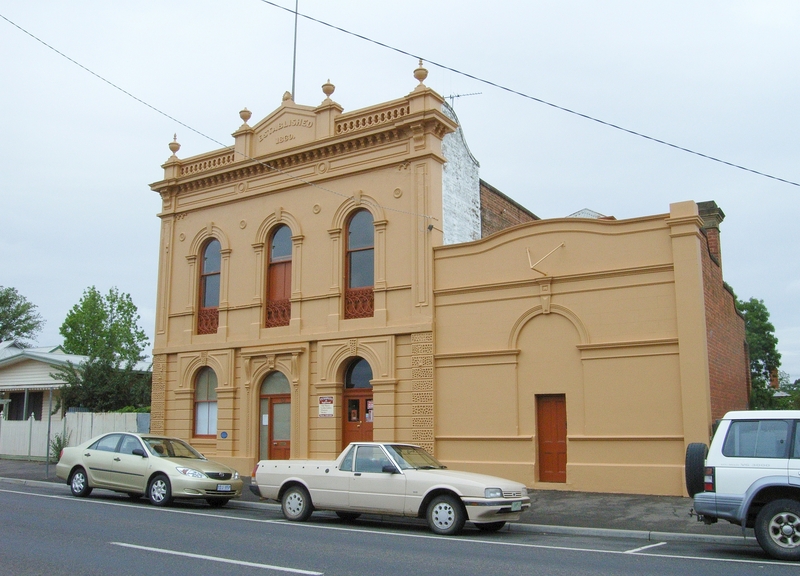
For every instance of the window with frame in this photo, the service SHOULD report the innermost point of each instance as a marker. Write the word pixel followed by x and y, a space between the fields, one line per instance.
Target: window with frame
pixel 757 439
pixel 360 266
pixel 279 278
pixel 205 403
pixel 210 272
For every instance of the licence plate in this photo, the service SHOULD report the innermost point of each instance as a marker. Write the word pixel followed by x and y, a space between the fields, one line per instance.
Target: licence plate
pixel 516 506
pixel 223 487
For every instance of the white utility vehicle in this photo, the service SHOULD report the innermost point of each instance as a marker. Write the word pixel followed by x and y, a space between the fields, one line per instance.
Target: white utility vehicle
pixel 392 479
pixel 750 476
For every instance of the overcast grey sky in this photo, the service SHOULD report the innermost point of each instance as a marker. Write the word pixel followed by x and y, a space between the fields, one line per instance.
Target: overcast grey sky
pixel 718 77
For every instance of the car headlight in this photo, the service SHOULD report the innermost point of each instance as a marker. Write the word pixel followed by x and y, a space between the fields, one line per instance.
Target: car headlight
pixel 191 472
pixel 235 475
pixel 493 493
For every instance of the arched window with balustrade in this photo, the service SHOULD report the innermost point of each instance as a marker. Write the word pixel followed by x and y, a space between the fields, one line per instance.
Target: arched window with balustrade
pixel 279 278
pixel 208 310
pixel 359 299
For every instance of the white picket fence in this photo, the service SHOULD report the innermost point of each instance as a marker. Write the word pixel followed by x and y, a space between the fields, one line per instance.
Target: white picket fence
pixel 27 439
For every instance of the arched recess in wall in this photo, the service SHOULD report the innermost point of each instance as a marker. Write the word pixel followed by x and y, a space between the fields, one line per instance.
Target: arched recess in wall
pixel 277 217
pixel 190 370
pixel 210 231
pixel 538 310
pixel 551 391
pixel 362 201
pixel 338 362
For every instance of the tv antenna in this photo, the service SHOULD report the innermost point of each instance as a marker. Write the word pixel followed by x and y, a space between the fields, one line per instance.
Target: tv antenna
pixel 452 97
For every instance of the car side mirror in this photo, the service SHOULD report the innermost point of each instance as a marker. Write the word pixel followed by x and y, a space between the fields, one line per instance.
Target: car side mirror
pixel 138 452
pixel 390 469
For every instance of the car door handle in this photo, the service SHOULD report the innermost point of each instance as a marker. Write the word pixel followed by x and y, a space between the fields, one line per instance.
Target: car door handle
pixel 88 454
pixel 116 459
pixel 357 474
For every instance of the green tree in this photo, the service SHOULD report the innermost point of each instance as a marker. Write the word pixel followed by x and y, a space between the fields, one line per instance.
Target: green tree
pixel 104 327
pixel 765 359
pixel 19 320
pixel 104 385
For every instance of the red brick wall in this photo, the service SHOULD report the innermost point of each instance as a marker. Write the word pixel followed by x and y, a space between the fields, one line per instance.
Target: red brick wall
pixel 499 212
pixel 728 362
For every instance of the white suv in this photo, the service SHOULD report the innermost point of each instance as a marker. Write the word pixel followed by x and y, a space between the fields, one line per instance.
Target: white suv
pixel 751 477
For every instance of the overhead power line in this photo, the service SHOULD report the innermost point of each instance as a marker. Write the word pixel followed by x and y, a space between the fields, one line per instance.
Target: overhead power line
pixel 529 97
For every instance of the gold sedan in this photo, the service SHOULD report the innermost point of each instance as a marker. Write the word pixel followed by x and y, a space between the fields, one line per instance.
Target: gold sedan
pixel 158 467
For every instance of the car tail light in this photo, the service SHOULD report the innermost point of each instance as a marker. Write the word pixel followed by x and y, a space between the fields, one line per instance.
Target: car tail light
pixel 708 479
pixel 255 470
pixel 60 454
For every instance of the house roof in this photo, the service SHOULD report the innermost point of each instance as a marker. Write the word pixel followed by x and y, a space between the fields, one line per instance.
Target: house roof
pixel 11 354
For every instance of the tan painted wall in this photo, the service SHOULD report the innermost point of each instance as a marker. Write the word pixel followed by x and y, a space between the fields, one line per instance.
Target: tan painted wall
pixel 617 326
pixel 308 168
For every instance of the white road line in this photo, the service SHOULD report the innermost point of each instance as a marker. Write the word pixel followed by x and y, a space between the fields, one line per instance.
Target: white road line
pixel 635 550
pixel 217 559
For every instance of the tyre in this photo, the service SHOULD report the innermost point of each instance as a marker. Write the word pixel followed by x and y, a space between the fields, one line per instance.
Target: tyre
pixel 489 526
pixel 695 467
pixel 217 502
pixel 79 483
pixel 296 504
pixel 348 516
pixel 446 515
pixel 160 492
pixel 778 529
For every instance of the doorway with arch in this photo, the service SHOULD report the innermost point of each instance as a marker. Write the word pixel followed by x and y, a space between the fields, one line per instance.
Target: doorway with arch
pixel 357 403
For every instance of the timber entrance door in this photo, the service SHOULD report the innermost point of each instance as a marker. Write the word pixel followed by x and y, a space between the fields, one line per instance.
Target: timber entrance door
pixel 275 418
pixel 551 418
pixel 357 403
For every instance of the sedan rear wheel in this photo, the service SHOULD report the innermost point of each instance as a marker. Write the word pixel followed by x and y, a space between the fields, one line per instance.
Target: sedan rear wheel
pixel 79 483
pixel 160 492
pixel 296 504
pixel 446 515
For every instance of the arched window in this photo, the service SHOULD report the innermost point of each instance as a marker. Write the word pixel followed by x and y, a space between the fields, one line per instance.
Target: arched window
pixel 279 278
pixel 358 375
pixel 208 314
pixel 205 403
pixel 360 266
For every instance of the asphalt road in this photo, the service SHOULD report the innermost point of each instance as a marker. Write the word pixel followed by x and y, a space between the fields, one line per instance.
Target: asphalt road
pixel 47 531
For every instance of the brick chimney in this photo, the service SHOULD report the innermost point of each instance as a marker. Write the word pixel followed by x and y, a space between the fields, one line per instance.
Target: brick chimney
pixel 712 216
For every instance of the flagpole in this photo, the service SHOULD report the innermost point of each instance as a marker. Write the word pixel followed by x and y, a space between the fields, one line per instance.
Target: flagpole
pixel 294 56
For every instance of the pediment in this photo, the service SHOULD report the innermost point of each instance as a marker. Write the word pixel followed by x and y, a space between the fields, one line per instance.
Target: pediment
pixel 289 126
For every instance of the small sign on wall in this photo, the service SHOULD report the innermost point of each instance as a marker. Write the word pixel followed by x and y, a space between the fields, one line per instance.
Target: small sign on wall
pixel 326 406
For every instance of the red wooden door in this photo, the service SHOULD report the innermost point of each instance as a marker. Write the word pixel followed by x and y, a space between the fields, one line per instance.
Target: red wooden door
pixel 551 417
pixel 357 417
pixel 280 435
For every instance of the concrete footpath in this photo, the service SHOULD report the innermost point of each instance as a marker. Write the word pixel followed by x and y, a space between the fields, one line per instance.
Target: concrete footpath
pixel 657 518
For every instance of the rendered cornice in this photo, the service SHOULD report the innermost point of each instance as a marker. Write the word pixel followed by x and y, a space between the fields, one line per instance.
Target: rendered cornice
pixel 226 173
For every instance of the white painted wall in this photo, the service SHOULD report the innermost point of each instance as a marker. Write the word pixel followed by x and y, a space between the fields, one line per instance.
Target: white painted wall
pixel 461 195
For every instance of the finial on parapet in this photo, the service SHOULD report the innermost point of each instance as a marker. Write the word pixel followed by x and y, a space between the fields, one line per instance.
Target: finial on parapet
pixel 421 72
pixel 245 114
pixel 174 146
pixel 328 89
